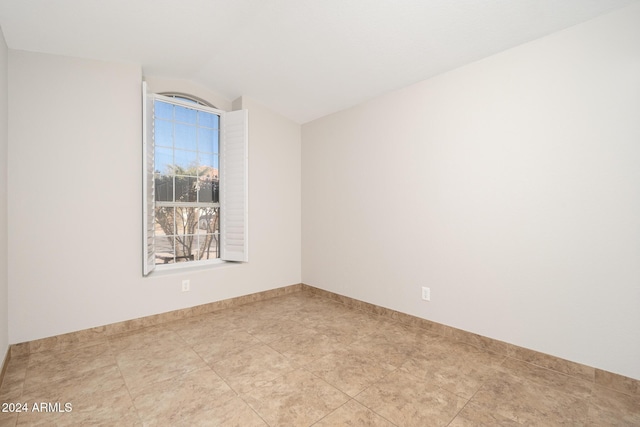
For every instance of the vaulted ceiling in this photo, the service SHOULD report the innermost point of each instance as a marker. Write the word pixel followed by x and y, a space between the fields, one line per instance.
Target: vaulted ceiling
pixel 302 58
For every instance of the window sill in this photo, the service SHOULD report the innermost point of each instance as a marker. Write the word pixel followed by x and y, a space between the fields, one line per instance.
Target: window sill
pixel 182 267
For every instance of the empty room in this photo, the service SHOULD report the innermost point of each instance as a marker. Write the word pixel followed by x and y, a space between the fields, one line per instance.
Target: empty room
pixel 305 213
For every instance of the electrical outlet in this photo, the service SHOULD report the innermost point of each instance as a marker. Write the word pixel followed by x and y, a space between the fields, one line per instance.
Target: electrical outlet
pixel 185 286
pixel 426 293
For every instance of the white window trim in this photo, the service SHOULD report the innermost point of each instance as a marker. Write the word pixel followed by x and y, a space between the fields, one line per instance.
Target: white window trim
pixel 233 170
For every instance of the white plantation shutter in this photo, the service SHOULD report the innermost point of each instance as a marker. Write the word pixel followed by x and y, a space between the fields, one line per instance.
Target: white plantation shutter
pixel 234 186
pixel 148 208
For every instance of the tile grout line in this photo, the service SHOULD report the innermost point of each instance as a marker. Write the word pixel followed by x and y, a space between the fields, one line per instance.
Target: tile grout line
pixel 326 415
pixel 115 359
pixel 371 385
pixel 466 404
pixel 477 391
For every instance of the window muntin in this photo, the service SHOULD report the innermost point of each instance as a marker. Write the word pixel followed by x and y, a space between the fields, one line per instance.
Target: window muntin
pixel 186 180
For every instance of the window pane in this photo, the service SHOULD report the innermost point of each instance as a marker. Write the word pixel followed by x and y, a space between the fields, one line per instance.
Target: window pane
pixel 208 190
pixel 185 160
pixel 187 226
pixel 164 235
pixel 210 160
pixel 205 193
pixel 208 140
pixel 165 220
pixel 164 160
pixel 207 173
pixel 185 137
pixel 207 247
pixel 186 220
pixel 164 188
pixel 163 110
pixel 186 189
pixel 185 115
pixel 208 220
pixel 209 120
pixel 215 191
pixel 185 245
pixel 163 133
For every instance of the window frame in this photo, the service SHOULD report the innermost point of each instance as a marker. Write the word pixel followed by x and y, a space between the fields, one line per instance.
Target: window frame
pixel 232 138
pixel 193 104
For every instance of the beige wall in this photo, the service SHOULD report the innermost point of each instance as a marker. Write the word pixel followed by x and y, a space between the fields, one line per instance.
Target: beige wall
pixel 510 187
pixel 75 202
pixel 4 308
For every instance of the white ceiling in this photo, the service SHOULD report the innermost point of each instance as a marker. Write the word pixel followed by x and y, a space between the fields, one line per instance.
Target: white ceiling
pixel 302 58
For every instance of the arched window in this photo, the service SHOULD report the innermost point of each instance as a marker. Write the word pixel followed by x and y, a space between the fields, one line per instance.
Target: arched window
pixel 186 193
pixel 187 98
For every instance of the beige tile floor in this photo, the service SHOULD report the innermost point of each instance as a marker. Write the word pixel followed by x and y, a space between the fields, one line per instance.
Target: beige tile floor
pixel 298 360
